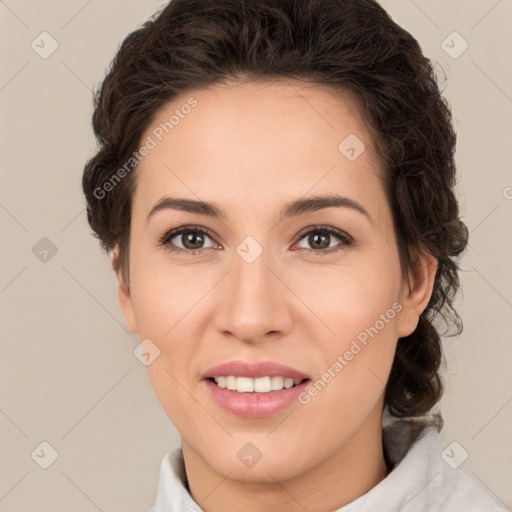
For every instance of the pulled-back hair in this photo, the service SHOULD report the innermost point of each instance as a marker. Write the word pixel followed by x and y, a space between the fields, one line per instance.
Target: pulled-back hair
pixel 347 45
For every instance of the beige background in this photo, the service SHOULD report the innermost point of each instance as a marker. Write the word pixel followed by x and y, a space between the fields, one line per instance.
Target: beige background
pixel 68 375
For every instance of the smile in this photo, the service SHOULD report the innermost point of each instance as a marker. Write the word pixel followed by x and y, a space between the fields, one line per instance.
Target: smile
pixel 257 385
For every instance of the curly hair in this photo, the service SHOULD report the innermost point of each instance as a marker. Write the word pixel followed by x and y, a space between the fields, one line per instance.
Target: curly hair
pixel 347 45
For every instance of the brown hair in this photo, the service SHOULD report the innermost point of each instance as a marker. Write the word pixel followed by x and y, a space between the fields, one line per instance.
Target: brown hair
pixel 352 46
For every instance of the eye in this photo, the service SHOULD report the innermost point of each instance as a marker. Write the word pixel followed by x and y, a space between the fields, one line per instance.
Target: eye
pixel 192 240
pixel 187 239
pixel 320 240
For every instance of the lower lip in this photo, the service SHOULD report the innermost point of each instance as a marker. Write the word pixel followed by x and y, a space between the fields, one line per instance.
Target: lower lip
pixel 255 405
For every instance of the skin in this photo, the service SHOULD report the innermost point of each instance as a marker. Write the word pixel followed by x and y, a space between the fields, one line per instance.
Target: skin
pixel 250 148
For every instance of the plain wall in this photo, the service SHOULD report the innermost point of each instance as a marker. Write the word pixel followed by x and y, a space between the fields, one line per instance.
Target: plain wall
pixel 68 375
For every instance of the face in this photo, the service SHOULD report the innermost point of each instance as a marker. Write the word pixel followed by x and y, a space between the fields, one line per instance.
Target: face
pixel 260 281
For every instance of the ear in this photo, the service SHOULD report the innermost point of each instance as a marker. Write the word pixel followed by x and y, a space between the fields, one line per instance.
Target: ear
pixel 416 292
pixel 123 294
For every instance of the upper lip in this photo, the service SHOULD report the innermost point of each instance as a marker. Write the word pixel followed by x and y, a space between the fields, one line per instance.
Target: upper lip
pixel 254 370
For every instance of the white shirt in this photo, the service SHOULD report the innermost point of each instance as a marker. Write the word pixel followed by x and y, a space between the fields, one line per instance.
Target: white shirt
pixel 425 476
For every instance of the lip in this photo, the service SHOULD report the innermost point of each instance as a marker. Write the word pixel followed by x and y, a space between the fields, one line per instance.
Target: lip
pixel 254 370
pixel 255 405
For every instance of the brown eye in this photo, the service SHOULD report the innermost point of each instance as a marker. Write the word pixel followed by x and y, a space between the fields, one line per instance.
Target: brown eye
pixel 319 240
pixel 191 239
pixel 323 240
pixel 187 240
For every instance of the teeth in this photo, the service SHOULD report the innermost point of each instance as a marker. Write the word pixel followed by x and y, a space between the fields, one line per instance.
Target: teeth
pixel 259 385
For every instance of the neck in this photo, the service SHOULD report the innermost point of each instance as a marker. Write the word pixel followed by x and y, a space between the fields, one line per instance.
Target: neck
pixel 351 471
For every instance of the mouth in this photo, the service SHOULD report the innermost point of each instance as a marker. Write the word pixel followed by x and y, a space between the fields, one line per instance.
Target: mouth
pixel 255 390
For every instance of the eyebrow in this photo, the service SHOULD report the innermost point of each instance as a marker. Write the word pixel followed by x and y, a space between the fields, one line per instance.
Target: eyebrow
pixel 292 209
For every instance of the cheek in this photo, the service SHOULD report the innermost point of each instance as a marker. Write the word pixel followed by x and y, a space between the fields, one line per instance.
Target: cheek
pixel 349 298
pixel 354 324
pixel 164 296
pixel 165 307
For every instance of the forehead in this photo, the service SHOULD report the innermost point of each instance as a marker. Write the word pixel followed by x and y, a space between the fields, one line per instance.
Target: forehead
pixel 257 140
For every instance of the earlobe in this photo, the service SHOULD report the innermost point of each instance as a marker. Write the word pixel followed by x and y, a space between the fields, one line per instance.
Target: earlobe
pixel 416 292
pixel 124 295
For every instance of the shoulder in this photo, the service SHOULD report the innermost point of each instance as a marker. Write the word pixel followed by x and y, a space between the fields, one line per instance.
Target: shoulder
pixel 437 480
pixel 449 487
pixel 424 476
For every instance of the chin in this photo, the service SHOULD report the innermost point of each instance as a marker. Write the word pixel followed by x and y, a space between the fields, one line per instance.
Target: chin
pixel 277 466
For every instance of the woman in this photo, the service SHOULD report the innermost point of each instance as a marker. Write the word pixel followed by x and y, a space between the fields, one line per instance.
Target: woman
pixel 275 180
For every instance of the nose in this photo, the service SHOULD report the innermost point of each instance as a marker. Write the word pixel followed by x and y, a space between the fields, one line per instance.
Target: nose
pixel 255 304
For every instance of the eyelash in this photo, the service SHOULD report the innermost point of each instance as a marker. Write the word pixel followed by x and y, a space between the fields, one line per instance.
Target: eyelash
pixel 345 239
